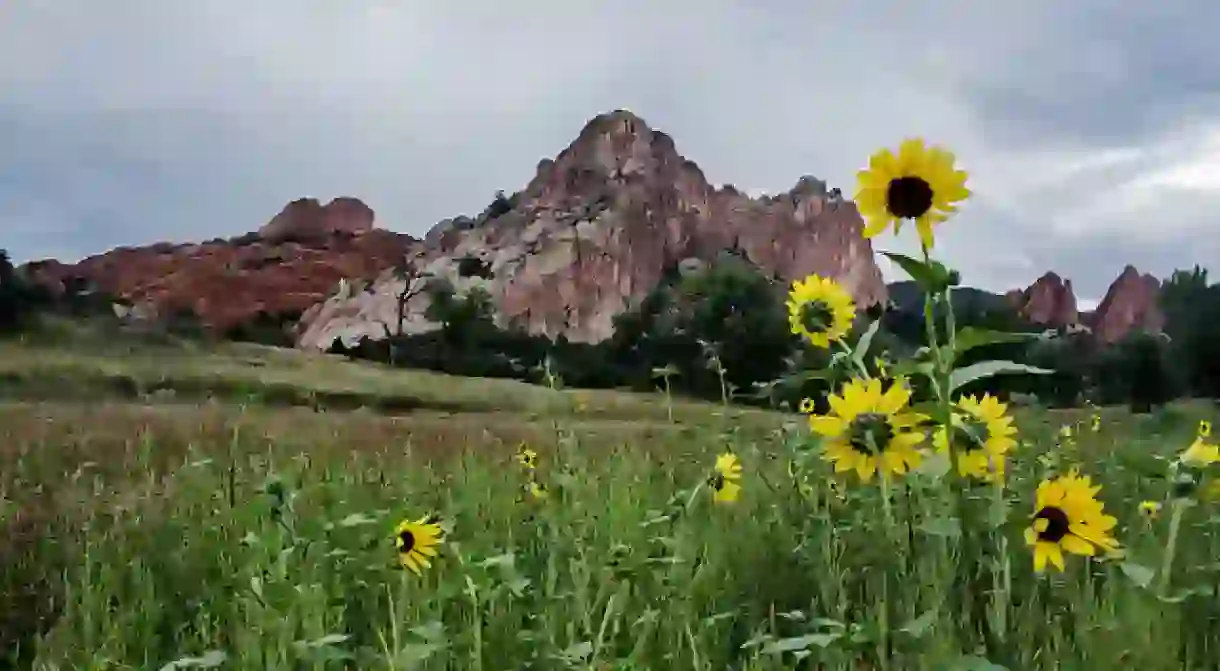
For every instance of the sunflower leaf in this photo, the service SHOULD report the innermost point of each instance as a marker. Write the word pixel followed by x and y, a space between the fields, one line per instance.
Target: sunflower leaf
pixel 1137 573
pixel 932 277
pixel 970 337
pixel 974 663
pixel 801 643
pixel 947 527
pixel 986 369
pixel 864 343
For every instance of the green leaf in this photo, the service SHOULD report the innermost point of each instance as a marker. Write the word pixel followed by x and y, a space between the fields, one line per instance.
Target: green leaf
pixel 931 277
pixel 946 527
pixel 865 342
pixel 985 369
pixel 921 625
pixel 799 643
pixel 1138 573
pixel 970 337
pixel 974 663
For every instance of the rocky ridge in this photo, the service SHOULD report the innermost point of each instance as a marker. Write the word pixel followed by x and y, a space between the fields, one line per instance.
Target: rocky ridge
pixel 291 264
pixel 595 230
pixel 1131 304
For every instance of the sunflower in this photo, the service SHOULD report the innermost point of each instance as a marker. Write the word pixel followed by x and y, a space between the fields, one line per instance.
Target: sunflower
pixel 537 490
pixel 869 430
pixel 982 435
pixel 724 490
pixel 806 406
pixel 1201 454
pixel 527 457
pixel 820 310
pixel 1150 509
pixel 1205 428
pixel 728 466
pixel 1068 516
pixel 417 542
pixel 920 183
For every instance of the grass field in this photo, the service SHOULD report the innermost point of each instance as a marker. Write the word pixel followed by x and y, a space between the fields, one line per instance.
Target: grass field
pixel 236 509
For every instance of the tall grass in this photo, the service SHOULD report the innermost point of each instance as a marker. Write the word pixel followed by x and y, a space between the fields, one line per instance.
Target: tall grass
pixel 241 555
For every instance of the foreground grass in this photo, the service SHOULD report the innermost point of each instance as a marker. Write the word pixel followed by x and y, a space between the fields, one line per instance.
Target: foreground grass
pixel 258 538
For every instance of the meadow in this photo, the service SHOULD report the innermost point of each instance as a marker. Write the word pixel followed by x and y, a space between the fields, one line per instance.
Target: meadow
pixel 168 531
pixel 179 506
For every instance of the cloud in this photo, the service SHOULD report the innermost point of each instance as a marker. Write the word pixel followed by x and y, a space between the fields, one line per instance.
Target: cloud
pixel 1090 129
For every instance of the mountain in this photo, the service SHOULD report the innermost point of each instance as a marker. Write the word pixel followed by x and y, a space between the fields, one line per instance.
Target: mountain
pixel 596 229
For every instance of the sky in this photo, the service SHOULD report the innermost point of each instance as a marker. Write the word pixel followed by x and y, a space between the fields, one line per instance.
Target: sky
pixel 1091 129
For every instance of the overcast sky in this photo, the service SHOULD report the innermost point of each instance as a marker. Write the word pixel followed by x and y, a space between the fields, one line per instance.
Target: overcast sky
pixel 1091 128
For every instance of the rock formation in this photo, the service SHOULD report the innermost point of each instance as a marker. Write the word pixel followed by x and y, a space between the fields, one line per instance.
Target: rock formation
pixel 1131 305
pixel 294 262
pixel 595 230
pixel 1049 301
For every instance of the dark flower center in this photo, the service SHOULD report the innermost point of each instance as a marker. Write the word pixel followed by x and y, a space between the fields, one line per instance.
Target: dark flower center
pixel 406 542
pixel 1057 524
pixel 909 197
pixel 716 482
pixel 870 433
pixel 816 316
pixel 970 435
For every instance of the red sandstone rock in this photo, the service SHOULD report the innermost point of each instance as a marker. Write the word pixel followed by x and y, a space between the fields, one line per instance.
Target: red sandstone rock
pixel 597 226
pixel 1049 301
pixel 1131 305
pixel 284 270
pixel 307 218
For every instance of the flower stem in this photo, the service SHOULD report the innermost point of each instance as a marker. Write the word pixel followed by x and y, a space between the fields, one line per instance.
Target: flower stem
pixel 1171 544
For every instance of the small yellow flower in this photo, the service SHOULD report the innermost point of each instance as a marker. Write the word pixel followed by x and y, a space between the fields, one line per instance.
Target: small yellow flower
pixel 870 429
pixel 728 466
pixel 806 406
pixel 537 490
pixel 1150 509
pixel 820 310
pixel 1068 517
pixel 1201 454
pixel 527 457
pixel 724 490
pixel 1205 428
pixel 417 542
pixel 919 183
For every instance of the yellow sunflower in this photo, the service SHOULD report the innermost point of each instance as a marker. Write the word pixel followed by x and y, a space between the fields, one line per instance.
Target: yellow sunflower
pixel 417 542
pixel 1201 454
pixel 982 436
pixel 820 310
pixel 527 457
pixel 537 490
pixel 806 406
pixel 728 466
pixel 1205 428
pixel 1150 509
pixel 724 490
pixel 1068 517
pixel 920 183
pixel 869 429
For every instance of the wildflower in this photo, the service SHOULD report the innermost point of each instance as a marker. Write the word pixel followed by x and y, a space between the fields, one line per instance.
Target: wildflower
pixel 820 310
pixel 1205 429
pixel 417 542
pixel 806 406
pixel 1068 517
pixel 869 430
pixel 1201 454
pixel 537 490
pixel 725 480
pixel 527 457
pixel 724 490
pixel 982 435
pixel 920 184
pixel 1150 509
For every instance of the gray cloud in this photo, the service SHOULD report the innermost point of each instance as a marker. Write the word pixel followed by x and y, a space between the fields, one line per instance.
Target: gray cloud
pixel 1085 126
